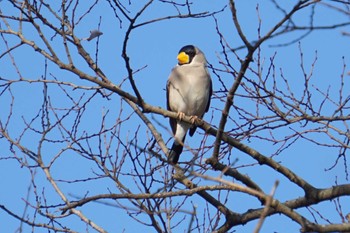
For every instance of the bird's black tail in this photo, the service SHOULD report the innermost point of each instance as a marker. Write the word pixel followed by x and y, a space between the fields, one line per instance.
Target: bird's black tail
pixel 174 153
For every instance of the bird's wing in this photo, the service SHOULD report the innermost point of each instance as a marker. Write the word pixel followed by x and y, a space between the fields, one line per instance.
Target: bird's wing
pixel 168 89
pixel 210 93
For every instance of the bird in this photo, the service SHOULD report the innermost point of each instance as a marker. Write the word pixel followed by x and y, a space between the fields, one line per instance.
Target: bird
pixel 188 92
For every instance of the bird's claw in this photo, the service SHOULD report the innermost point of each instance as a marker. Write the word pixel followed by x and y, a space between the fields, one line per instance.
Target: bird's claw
pixel 180 115
pixel 193 119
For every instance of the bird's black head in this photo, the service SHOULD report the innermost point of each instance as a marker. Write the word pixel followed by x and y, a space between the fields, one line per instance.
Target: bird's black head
pixel 186 54
pixel 190 50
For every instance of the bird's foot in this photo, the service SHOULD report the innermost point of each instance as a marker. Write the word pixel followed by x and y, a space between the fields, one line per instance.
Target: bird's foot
pixel 180 115
pixel 193 119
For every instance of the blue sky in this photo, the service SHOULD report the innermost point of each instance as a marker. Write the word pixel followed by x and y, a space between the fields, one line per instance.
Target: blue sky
pixel 153 49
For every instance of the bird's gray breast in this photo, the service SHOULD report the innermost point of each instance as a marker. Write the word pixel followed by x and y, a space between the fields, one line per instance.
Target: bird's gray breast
pixel 190 91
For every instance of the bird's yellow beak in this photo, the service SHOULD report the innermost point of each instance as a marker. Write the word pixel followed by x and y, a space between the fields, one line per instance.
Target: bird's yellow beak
pixel 183 58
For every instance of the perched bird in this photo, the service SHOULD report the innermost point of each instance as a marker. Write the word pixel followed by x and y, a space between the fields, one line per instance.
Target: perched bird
pixel 189 90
